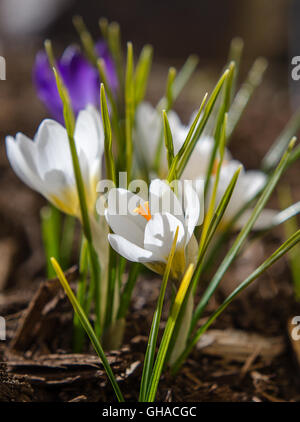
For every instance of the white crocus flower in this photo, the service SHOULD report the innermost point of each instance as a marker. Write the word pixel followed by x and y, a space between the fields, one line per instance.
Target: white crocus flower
pixel 45 163
pixel 144 231
pixel 248 185
pixel 148 132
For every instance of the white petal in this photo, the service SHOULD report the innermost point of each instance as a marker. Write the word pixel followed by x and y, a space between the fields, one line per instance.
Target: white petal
pixel 22 163
pixel 251 183
pixel 159 235
pixel 178 130
pixel 192 208
pixel 121 218
pixel 89 134
pixel 61 190
pixel 129 250
pixel 263 222
pixel 52 148
pixel 148 129
pixel 162 199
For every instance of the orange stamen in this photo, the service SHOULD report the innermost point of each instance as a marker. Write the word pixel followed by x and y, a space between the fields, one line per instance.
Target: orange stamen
pixel 216 165
pixel 144 211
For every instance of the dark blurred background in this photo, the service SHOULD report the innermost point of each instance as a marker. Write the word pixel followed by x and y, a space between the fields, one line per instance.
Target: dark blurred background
pixel 175 27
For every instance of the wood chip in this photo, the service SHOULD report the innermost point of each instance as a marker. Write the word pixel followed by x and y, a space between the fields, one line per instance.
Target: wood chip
pixel 32 319
pixel 239 345
pixel 8 249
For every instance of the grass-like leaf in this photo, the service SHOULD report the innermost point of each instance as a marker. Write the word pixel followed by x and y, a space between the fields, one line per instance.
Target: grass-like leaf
pixel 184 75
pixel 88 328
pixel 223 109
pixel 272 157
pixel 245 93
pixel 51 225
pixel 290 227
pixel 240 239
pixel 128 289
pixel 284 248
pixel 152 340
pixel 168 139
pixel 129 108
pixel 188 148
pixel 86 39
pixel 163 348
pixel 109 159
pixel 142 71
pixel 70 125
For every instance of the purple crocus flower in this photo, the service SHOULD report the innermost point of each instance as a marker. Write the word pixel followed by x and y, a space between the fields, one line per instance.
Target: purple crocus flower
pixel 79 76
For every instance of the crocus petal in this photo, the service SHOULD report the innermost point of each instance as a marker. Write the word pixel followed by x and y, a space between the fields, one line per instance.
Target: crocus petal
pixel 251 183
pixel 163 199
pixel 194 211
pixel 147 133
pixel 129 250
pixel 159 235
pixel 79 76
pixel 52 148
pixel 60 189
pixel 263 222
pixel 46 86
pixel 121 218
pixel 89 134
pixel 22 161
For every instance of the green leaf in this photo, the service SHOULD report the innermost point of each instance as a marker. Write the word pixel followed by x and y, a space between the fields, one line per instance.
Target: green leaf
pixel 103 25
pixel 211 206
pixel 78 332
pixel 49 52
pixel 86 39
pixel 88 328
pixel 114 108
pixel 235 55
pixel 67 240
pixel 223 108
pixel 159 362
pixel 184 75
pixel 284 248
pixel 172 170
pixel 129 108
pixel 109 159
pixel 272 157
pixel 217 218
pixel 142 73
pixel 152 340
pixel 125 297
pixel 51 224
pixel 245 93
pixel 188 148
pixel 290 227
pixel 240 239
pixel 114 43
pixel 168 139
pixel 70 125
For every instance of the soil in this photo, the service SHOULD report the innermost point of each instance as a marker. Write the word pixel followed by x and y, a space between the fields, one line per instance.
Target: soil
pixel 37 360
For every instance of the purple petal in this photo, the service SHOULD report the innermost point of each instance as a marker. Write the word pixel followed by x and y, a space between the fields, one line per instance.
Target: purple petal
pixel 79 76
pixel 46 86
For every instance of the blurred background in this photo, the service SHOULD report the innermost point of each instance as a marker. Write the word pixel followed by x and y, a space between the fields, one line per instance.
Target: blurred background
pixel 176 29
